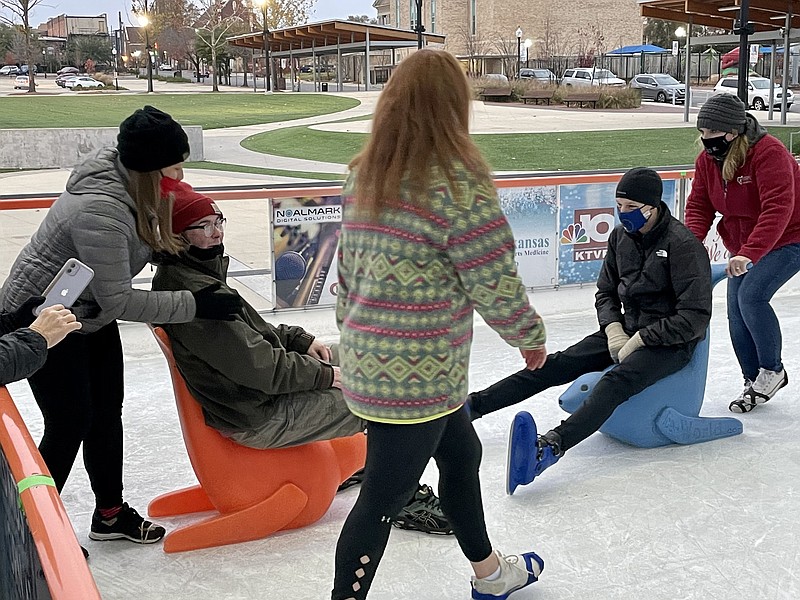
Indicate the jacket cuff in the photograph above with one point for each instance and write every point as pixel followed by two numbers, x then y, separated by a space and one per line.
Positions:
pixel 325 376
pixel 302 343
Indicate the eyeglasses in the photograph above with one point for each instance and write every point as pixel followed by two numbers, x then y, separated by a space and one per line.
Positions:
pixel 209 228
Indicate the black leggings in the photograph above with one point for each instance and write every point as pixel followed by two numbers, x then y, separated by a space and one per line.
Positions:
pixel 79 391
pixel 640 370
pixel 396 457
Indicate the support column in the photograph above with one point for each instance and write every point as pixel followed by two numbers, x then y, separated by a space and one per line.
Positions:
pixel 787 56
pixel 773 52
pixel 291 67
pixel 339 82
pixel 687 97
pixel 366 65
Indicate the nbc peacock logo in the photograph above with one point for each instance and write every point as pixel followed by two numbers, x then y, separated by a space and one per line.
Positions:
pixel 574 234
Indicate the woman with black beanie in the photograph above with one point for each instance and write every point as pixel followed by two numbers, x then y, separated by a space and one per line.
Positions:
pixel 112 218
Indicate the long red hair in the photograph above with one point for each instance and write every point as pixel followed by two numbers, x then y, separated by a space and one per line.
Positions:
pixel 421 122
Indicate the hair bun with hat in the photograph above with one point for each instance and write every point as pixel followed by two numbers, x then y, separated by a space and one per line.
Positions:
pixel 723 112
pixel 150 140
pixel 188 205
pixel 641 184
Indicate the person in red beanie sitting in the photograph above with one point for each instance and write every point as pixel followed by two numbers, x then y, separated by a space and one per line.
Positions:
pixel 263 386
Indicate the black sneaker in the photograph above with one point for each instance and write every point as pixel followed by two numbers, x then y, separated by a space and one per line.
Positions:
pixel 423 513
pixel 127 524
pixel 354 479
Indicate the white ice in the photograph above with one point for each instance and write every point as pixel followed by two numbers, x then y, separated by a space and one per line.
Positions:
pixel 714 521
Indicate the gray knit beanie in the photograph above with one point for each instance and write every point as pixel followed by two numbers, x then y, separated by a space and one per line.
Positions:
pixel 723 112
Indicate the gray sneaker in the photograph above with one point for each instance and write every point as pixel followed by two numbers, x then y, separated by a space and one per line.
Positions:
pixel 516 572
pixel 762 390
pixel 423 513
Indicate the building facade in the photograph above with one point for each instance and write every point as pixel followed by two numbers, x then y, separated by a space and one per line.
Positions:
pixel 64 26
pixel 483 33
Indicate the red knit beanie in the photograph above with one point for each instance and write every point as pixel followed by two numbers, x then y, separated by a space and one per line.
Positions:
pixel 189 206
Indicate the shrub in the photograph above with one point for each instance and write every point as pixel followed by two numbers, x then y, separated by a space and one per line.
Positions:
pixel 619 97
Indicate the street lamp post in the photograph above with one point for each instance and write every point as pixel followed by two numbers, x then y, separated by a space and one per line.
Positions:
pixel 114 56
pixel 144 21
pixel 680 33
pixel 528 44
pixel 420 27
pixel 519 49
pixel 265 33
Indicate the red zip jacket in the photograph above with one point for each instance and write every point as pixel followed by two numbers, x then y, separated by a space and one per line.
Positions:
pixel 760 207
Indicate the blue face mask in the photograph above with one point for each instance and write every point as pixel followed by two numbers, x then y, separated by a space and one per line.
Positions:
pixel 633 220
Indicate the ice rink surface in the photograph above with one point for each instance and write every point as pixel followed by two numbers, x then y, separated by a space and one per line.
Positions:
pixel 714 521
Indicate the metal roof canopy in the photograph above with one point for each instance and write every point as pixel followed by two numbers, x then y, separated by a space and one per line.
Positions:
pixel 329 37
pixel 766 17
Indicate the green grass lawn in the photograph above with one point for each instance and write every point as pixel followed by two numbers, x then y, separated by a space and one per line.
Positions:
pixel 566 151
pixel 209 110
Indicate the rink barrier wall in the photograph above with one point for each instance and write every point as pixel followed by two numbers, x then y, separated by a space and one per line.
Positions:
pixel 60 558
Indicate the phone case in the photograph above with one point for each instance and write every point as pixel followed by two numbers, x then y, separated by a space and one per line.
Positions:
pixel 67 285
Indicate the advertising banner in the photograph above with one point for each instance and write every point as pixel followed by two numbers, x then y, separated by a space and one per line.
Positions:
pixel 587 217
pixel 305 238
pixel 532 213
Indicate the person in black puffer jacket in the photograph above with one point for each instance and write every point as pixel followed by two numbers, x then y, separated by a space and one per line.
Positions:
pixel 653 305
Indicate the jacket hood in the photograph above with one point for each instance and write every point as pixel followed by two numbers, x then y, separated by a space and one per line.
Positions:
pixel 753 130
pixel 101 174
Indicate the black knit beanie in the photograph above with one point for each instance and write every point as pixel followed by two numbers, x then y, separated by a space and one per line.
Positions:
pixel 150 140
pixel 723 112
pixel 641 184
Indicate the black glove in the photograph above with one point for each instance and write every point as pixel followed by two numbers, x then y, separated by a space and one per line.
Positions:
pixel 22 317
pixel 219 306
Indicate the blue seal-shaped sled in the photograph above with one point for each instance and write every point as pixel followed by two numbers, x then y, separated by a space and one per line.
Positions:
pixel 667 411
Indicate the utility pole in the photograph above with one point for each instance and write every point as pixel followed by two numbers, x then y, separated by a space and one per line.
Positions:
pixel 419 26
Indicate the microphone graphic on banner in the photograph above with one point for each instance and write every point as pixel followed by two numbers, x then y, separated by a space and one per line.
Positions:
pixel 290 267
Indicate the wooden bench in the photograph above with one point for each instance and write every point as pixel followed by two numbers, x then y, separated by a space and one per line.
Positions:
pixel 495 93
pixel 581 98
pixel 538 95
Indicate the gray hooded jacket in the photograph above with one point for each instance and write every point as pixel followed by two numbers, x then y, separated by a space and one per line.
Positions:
pixel 94 220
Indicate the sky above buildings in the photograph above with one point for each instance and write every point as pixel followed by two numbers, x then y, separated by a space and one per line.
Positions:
pixel 325 9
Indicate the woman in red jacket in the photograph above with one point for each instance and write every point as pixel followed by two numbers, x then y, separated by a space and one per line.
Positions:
pixel 751 179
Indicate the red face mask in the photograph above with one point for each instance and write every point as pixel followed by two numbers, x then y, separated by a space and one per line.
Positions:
pixel 168 185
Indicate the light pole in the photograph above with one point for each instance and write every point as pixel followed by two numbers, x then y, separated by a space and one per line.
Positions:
pixel 144 21
pixel 265 33
pixel 519 50
pixel 680 33
pixel 420 27
pixel 114 56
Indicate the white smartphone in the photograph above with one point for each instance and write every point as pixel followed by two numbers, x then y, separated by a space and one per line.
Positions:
pixel 67 285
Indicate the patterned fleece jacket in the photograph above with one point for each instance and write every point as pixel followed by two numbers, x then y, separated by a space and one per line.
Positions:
pixel 408 284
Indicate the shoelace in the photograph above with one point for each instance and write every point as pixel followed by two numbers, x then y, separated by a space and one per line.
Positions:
pixel 430 499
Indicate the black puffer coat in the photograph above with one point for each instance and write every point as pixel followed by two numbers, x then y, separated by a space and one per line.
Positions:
pixel 661 278
pixel 22 353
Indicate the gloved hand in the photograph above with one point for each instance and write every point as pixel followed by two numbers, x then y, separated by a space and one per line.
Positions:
pixel 630 346
pixel 22 317
pixel 617 338
pixel 212 305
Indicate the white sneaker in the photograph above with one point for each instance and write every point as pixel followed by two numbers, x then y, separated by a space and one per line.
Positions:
pixel 516 572
pixel 765 386
pixel 742 403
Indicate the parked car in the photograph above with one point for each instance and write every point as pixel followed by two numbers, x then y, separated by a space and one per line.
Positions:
pixel 497 79
pixel 84 82
pixel 9 70
pixel 21 82
pixel 757 91
pixel 659 87
pixel 61 80
pixel 540 75
pixel 23 70
pixel 590 76
pixel 68 71
pixel 166 68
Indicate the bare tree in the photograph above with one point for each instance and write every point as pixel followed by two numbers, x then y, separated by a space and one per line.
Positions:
pixel 508 50
pixel 14 11
pixel 474 47
pixel 553 48
pixel 219 18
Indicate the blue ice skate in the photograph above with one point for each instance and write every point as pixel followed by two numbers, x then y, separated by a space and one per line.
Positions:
pixel 527 459
pixel 668 411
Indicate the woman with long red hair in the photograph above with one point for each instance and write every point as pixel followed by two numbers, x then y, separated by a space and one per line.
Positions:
pixel 423 244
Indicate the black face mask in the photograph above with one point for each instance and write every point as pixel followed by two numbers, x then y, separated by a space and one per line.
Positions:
pixel 206 253
pixel 717 146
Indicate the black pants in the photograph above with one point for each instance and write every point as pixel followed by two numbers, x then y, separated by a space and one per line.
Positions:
pixel 79 391
pixel 396 457
pixel 640 370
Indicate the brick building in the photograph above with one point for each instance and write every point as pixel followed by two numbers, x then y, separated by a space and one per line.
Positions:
pixel 483 33
pixel 64 26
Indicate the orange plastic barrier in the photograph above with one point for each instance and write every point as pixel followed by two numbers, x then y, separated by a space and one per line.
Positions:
pixel 64 566
pixel 256 492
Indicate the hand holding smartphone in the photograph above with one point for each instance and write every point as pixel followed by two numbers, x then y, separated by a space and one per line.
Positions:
pixel 67 285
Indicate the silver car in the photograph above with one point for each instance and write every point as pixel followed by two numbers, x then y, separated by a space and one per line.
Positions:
pixel 659 87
